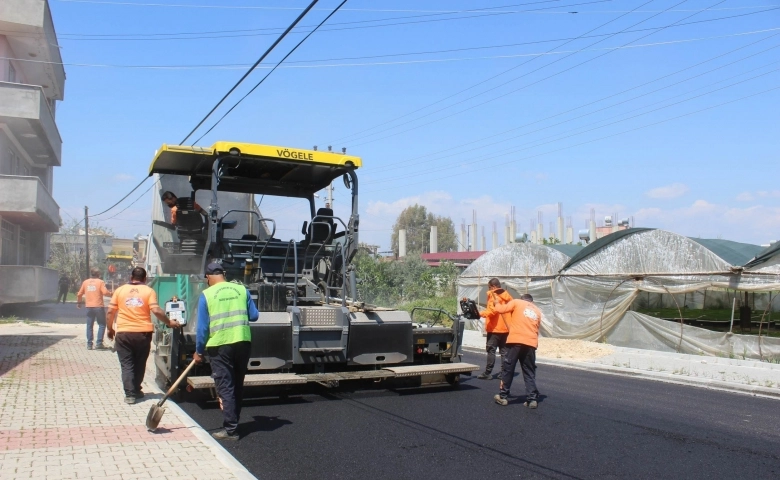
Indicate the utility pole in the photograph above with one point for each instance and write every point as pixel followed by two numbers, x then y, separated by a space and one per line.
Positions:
pixel 330 195
pixel 86 236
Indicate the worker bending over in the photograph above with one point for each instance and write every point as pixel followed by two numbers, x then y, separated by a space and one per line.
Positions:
pixel 496 328
pixel 224 312
pixel 132 305
pixel 521 345
pixel 170 199
pixel 93 290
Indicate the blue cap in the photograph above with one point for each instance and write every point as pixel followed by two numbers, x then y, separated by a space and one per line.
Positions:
pixel 215 269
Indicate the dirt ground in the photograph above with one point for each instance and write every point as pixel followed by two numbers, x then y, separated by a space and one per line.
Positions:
pixel 571 349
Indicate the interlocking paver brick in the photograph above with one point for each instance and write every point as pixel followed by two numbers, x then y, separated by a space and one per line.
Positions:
pixel 62 415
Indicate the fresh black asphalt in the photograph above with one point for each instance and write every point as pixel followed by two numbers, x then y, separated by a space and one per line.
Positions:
pixel 589 425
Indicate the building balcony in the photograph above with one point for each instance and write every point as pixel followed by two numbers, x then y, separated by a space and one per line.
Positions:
pixel 27 284
pixel 29 29
pixel 26 117
pixel 26 202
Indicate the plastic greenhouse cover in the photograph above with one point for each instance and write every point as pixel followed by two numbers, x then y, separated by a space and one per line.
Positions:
pixel 516 260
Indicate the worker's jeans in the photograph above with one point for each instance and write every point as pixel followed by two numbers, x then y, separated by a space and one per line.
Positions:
pixel 63 294
pixel 228 368
pixel 526 355
pixel 96 314
pixel 132 348
pixel 495 341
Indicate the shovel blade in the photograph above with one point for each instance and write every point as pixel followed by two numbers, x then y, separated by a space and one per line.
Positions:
pixel 154 417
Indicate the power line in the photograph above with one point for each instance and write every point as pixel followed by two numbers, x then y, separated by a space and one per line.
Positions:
pixel 585 35
pixel 524 86
pixel 262 57
pixel 557 137
pixel 133 203
pixel 269 73
pixel 465 17
pixel 594 140
pixel 121 200
pixel 433 60
pixel 400 164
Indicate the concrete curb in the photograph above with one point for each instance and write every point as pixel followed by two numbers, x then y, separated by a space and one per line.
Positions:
pixel 656 376
pixel 225 458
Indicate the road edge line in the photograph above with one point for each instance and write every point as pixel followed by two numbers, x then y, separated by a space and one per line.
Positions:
pixel 755 391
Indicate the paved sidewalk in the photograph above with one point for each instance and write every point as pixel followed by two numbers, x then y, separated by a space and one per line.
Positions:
pixel 63 416
pixel 743 376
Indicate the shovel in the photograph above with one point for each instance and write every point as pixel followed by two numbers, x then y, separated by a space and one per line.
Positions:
pixel 157 410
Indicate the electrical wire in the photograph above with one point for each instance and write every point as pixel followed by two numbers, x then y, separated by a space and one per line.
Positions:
pixel 411 62
pixel 574 132
pixel 272 71
pixel 589 141
pixel 251 69
pixel 585 35
pixel 524 75
pixel 465 17
pixel 122 199
pixel 428 156
pixel 131 204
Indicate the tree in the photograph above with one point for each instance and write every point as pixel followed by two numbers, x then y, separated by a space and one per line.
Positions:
pixel 66 252
pixel 417 222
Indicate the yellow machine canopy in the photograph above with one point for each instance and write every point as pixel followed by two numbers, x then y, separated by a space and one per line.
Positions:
pixel 252 168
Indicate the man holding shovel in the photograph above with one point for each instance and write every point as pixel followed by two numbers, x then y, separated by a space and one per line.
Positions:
pixel 132 306
pixel 224 312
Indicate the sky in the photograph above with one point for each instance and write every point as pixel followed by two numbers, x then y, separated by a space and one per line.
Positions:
pixel 661 111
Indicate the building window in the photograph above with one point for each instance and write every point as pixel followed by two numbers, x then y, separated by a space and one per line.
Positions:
pixel 24 248
pixel 8 236
pixel 11 72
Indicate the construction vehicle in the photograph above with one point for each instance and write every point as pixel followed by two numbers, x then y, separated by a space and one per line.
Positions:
pixel 311 329
pixel 117 271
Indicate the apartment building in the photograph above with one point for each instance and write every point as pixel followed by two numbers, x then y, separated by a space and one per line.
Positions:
pixel 32 81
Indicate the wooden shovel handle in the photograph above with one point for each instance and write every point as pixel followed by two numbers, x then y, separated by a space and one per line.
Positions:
pixel 178 380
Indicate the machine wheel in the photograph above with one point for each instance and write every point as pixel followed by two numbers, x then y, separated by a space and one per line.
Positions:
pixel 453 380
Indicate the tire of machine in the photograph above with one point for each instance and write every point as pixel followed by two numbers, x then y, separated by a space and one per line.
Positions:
pixel 453 380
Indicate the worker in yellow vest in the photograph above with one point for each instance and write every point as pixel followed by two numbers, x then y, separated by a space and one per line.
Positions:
pixel 224 312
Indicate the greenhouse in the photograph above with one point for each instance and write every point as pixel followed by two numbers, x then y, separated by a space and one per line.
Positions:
pixel 652 289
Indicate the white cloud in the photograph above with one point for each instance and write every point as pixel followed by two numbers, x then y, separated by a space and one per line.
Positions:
pixel 745 197
pixel 122 177
pixel 669 191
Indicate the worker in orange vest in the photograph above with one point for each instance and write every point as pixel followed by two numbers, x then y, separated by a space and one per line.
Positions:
pixel 93 290
pixel 496 328
pixel 521 343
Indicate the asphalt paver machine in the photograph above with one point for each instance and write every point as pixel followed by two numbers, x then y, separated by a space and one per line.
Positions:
pixel 311 329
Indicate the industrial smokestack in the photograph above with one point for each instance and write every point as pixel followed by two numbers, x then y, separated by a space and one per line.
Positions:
pixel 560 222
pixel 539 228
pixel 592 225
pixel 434 239
pixel 483 244
pixel 401 243
pixel 462 244
pixel 494 244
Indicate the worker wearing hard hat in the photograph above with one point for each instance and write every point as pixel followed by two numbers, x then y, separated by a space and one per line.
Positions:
pixel 496 328
pixel 224 312
pixel 92 291
pixel 521 343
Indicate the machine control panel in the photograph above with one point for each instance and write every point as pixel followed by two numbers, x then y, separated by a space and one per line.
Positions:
pixel 175 311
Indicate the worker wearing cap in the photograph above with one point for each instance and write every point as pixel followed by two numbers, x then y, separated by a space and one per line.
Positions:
pixel 132 306
pixel 521 344
pixel 170 199
pixel 495 326
pixel 93 290
pixel 224 312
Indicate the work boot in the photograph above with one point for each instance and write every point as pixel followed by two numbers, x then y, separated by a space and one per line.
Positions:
pixel 89 346
pixel 530 404
pixel 485 376
pixel 100 346
pixel 139 395
pixel 224 435
pixel 129 400
pixel 501 400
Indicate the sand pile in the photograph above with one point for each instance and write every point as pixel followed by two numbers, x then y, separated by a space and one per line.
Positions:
pixel 571 349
